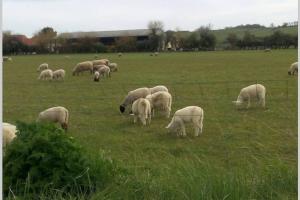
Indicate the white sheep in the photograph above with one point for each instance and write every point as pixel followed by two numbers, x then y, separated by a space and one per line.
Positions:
pixel 193 114
pixel 83 66
pixel 113 67
pixel 42 67
pixel 46 74
pixel 253 92
pixel 59 74
pixel 160 101
pixel 120 54
pixel 141 109
pixel 267 50
pixel 104 71
pixel 96 76
pixel 159 88
pixel 134 95
pixel 101 62
pixel 57 114
pixel 293 68
pixel 156 53
pixel 9 133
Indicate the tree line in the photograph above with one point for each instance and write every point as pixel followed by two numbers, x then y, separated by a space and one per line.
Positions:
pixel 48 41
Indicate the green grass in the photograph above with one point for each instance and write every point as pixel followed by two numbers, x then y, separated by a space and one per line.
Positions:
pixel 242 154
pixel 222 34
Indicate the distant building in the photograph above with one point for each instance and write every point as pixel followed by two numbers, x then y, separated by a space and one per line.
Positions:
pixel 108 37
pixel 23 39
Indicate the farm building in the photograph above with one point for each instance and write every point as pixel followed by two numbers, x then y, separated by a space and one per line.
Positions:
pixel 108 38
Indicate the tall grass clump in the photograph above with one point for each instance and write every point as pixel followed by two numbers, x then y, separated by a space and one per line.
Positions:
pixel 44 160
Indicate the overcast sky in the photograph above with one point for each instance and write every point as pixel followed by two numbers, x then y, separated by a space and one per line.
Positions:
pixel 29 16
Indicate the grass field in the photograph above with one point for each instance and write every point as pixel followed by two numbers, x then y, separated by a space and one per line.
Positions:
pixel 242 154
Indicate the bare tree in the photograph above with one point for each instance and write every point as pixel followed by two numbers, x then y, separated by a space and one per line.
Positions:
pixel 156 35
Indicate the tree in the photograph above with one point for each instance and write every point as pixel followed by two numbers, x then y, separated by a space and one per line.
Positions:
pixel 207 38
pixel 124 44
pixel 44 39
pixel 156 34
pixel 232 39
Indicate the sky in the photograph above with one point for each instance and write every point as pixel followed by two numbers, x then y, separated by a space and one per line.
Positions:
pixel 29 16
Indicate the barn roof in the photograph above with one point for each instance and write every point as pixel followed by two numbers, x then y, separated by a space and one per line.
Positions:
pixel 103 34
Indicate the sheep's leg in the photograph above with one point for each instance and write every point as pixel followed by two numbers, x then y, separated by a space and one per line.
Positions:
pixel 134 119
pixel 149 118
pixel 197 126
pixel 182 128
pixel 168 112
pixel 263 102
pixel 248 104
pixel 152 112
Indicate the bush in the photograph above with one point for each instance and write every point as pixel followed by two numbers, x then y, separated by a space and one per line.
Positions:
pixel 43 158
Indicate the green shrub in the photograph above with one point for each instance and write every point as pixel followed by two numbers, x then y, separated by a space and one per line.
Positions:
pixel 43 159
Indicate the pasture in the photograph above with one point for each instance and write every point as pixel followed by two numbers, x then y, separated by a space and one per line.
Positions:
pixel 242 154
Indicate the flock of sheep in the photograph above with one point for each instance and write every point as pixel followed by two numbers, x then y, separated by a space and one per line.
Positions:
pixel 143 102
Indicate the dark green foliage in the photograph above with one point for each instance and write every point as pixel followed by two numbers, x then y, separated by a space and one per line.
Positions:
pixel 44 158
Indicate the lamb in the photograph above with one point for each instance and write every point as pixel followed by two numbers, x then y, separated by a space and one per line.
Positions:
pixel 293 68
pixel 97 67
pixel 59 74
pixel 42 67
pixel 104 71
pixel 46 74
pixel 252 92
pixel 83 66
pixel 159 88
pixel 160 101
pixel 57 114
pixel 9 133
pixel 96 76
pixel 192 114
pixel 113 67
pixel 141 109
pixel 134 95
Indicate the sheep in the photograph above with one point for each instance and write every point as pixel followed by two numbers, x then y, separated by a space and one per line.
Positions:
pixel 97 67
pixel 134 95
pixel 46 74
pixel 104 71
pixel 57 114
pixel 192 114
pixel 156 53
pixel 59 74
pixel 42 67
pixel 83 66
pixel 113 67
pixel 293 68
pixel 252 92
pixel 96 76
pixel 267 50
pixel 101 62
pixel 141 109
pixel 160 101
pixel 6 58
pixel 9 133
pixel 120 54
pixel 159 88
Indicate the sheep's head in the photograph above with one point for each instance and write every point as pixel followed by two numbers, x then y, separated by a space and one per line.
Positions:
pixel 289 73
pixel 237 103
pixel 172 127
pixel 64 126
pixel 122 108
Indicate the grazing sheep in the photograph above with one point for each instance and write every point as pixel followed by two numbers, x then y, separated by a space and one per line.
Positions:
pixel 159 88
pixel 83 66
pixel 120 54
pixel 104 71
pixel 59 74
pixel 134 95
pixel 96 76
pixel 293 68
pixel 101 62
pixel 113 67
pixel 6 58
pixel 267 50
pixel 252 92
pixel 46 74
pixel 141 109
pixel 160 101
pixel 42 67
pixel 57 114
pixel 97 67
pixel 9 133
pixel 192 114
pixel 156 53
